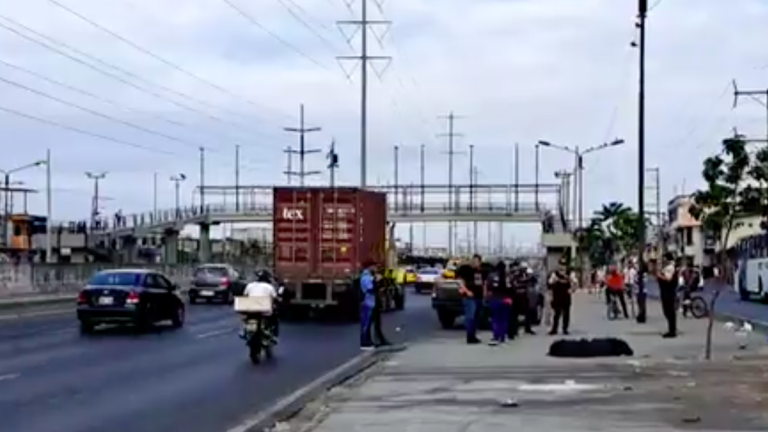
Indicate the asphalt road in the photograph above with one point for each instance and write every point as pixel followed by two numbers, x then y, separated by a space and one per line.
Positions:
pixel 729 303
pixel 196 379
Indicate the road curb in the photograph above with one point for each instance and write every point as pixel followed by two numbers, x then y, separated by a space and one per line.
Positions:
pixel 35 302
pixel 290 405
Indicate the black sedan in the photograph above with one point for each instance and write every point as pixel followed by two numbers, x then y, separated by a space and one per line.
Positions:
pixel 216 283
pixel 130 296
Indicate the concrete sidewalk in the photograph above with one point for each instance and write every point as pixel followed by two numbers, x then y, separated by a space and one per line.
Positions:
pixel 443 385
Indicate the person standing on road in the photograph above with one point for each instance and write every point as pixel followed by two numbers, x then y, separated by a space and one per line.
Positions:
pixel 667 278
pixel 379 284
pixel 471 288
pixel 614 288
pixel 561 287
pixel 521 284
pixel 500 299
pixel 367 304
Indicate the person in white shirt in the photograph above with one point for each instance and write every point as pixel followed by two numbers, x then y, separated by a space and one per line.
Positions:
pixel 263 287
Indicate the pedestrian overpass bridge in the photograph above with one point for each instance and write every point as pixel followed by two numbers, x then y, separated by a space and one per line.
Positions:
pixel 406 204
pixel 507 203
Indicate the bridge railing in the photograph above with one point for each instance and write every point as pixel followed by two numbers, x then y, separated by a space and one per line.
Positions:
pixel 189 213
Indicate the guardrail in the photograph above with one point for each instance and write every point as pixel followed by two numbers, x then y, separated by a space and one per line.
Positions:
pixel 30 280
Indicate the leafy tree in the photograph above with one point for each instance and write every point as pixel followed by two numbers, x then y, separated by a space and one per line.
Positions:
pixel 726 195
pixel 612 232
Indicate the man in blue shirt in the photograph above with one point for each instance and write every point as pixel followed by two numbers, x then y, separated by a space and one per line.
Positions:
pixel 367 304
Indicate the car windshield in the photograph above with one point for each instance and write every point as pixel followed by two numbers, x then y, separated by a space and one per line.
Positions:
pixel 429 272
pixel 217 272
pixel 115 279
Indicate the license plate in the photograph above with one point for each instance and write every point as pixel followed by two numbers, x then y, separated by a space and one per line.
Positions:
pixel 206 293
pixel 251 326
pixel 106 300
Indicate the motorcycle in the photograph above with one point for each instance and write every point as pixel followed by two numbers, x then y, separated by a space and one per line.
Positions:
pixel 259 339
pixel 257 331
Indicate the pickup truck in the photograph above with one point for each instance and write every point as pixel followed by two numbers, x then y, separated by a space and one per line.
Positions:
pixel 447 303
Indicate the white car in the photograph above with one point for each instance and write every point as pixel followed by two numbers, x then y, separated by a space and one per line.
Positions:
pixel 425 279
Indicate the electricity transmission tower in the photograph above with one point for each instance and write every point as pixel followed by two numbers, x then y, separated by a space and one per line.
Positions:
pixel 365 25
pixel 302 130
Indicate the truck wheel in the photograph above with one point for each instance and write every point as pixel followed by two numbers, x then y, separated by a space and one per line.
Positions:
pixel 447 319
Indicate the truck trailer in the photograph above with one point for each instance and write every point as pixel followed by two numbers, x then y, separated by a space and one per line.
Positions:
pixel 322 238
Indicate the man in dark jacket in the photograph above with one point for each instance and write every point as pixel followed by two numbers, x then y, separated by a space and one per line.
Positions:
pixel 521 283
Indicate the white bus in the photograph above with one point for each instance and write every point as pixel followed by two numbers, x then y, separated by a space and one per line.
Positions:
pixel 751 277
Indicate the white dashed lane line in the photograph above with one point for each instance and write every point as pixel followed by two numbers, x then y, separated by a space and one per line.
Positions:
pixel 9 377
pixel 215 333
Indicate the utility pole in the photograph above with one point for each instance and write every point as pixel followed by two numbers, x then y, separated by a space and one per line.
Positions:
pixel 302 130
pixel 450 135
pixel 536 168
pixel 48 208
pixel 333 162
pixel 422 175
pixel 177 179
pixel 364 24
pixel 656 187
pixel 237 178
pixel 473 179
pixel 565 187
pixel 755 95
pixel 517 177
pixel 202 180
pixel 96 177
pixel 641 300
pixel 154 193
pixel 397 174
pixel 422 178
pixel 289 164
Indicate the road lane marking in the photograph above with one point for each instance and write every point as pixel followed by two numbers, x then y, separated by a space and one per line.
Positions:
pixel 9 377
pixel 42 313
pixel 214 333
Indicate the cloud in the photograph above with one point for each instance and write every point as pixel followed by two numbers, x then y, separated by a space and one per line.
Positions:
pixel 516 71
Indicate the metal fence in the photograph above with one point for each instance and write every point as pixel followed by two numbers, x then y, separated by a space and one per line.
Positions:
pixel 31 280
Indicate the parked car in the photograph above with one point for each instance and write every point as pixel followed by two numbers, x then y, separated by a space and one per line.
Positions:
pixel 425 279
pixel 216 282
pixel 131 296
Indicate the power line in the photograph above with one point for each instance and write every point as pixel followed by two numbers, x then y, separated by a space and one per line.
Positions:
pixel 364 24
pixel 98 114
pixel 274 35
pixel 305 24
pixel 94 96
pixel 83 131
pixel 153 54
pixel 47 45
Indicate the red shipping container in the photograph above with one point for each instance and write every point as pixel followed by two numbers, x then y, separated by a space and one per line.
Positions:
pixel 327 234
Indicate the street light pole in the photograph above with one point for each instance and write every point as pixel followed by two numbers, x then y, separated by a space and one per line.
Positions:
pixel 48 208
pixel 96 177
pixel 177 179
pixel 578 174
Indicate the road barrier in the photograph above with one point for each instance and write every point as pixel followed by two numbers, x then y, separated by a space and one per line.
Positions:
pixel 25 281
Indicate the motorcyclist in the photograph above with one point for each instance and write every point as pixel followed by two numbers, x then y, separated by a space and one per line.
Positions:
pixel 263 287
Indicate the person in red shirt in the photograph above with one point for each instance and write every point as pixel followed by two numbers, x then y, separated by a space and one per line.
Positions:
pixel 614 287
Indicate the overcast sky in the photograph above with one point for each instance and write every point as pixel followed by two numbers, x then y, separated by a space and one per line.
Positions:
pixel 515 70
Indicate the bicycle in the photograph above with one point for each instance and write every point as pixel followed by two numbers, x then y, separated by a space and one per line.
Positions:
pixel 696 304
pixel 613 309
